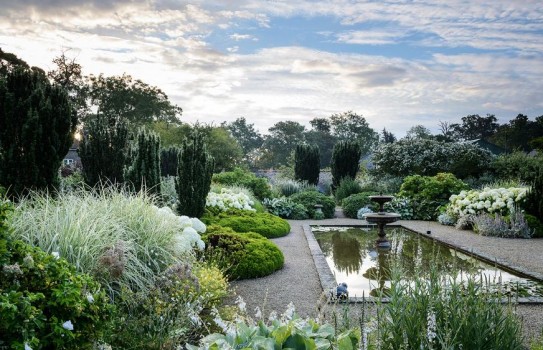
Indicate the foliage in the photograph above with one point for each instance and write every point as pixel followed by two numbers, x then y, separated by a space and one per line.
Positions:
pixel 488 200
pixel 428 157
pixel 512 226
pixel 103 152
pixel 517 165
pixel 44 303
pixel 72 182
pixel 285 208
pixel 517 134
pixel 361 213
pixel 307 163
pixel 287 332
pixel 168 196
pixel 280 143
pixel 223 148
pixel 118 236
pixel 311 198
pixel 446 219
pixel 265 224
pixel 443 313
pixel 194 171
pixel 427 193
pixel 347 186
pixel 476 127
pixel 144 172
pixel 402 206
pixel 354 202
pixel 166 316
pixel 258 185
pixel 229 199
pixel 535 224
pixel 168 161
pixel 121 97
pixel 242 255
pixel 534 196
pixel 349 126
pixel 246 135
pixel 37 124
pixel 345 159
pixel 321 135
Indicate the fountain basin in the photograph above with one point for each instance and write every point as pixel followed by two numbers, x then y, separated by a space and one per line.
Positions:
pixel 385 218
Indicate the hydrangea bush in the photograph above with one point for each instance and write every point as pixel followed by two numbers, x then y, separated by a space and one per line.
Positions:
pixel 229 199
pixel 489 200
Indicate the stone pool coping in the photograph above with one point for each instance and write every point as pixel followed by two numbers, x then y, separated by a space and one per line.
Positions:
pixel 439 234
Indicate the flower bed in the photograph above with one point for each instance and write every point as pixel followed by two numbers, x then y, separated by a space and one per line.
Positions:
pixel 489 200
pixel 229 199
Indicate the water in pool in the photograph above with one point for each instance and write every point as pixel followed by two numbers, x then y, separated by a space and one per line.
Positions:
pixel 354 259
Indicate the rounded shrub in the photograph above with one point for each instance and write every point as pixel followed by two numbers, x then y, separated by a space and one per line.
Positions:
pixel 242 255
pixel 44 302
pixel 354 202
pixel 266 224
pixel 310 198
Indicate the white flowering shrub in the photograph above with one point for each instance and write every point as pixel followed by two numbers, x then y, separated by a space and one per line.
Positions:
pixel 361 214
pixel 489 200
pixel 429 157
pixel 229 199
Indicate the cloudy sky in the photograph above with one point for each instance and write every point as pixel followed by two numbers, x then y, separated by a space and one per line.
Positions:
pixel 396 62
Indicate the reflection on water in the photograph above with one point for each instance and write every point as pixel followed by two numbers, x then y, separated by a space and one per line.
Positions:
pixel 354 259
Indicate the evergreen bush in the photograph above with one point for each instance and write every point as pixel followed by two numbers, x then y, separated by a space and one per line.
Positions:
pixel 37 123
pixel 307 163
pixel 534 197
pixel 104 151
pixel 195 169
pixel 265 224
pixel 310 198
pixel 144 172
pixel 169 160
pixel 242 255
pixel 345 159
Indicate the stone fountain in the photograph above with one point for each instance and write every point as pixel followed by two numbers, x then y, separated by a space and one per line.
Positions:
pixel 381 219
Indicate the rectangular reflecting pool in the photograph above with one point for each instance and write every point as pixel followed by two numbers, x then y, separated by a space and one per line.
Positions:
pixel 353 258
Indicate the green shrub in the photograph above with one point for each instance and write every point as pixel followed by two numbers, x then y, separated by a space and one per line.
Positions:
pixel 242 255
pixel 44 303
pixel 266 224
pixel 354 202
pixel 288 187
pixel 309 198
pixel 258 185
pixel 345 160
pixel 285 208
pixel 517 165
pixel 307 164
pixel 535 224
pixel 347 187
pixel 427 193
pixel 143 172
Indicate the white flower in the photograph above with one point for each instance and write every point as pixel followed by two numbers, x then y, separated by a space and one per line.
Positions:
pixel 241 304
pixel 68 325
pixel 27 347
pixel 56 255
pixel 198 225
pixel 90 298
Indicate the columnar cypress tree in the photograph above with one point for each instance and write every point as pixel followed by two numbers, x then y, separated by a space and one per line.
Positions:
pixel 37 124
pixel 534 197
pixel 194 172
pixel 104 151
pixel 307 163
pixel 345 158
pixel 144 172
pixel 168 161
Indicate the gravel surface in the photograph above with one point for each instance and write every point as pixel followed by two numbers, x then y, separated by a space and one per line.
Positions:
pixel 298 281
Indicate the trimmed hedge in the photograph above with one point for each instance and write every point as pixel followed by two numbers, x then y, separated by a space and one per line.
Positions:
pixel 242 255
pixel 309 198
pixel 266 224
pixel 239 177
pixel 354 202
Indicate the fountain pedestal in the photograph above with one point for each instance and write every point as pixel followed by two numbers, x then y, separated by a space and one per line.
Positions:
pixel 381 219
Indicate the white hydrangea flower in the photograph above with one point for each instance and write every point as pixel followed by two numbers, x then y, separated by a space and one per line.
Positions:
pixel 198 225
pixel 68 325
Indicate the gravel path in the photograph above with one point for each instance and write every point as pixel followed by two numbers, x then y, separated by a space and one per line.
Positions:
pixel 298 281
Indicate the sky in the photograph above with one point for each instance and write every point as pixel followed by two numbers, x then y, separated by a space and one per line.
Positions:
pixel 398 63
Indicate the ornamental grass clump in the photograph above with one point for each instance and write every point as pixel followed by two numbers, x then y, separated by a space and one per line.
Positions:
pixel 119 237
